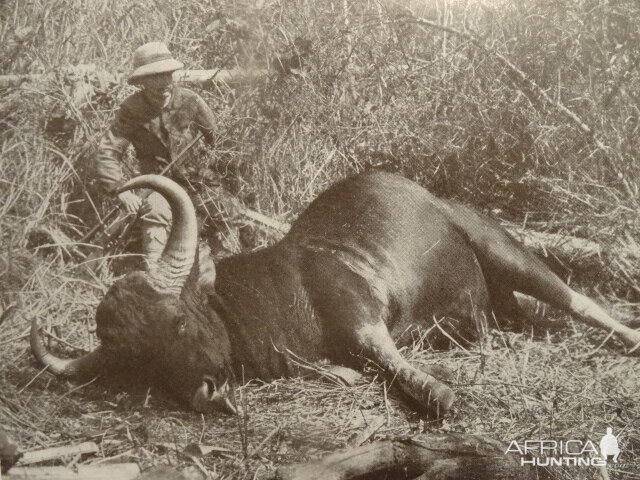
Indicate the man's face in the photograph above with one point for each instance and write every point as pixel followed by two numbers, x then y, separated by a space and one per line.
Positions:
pixel 156 87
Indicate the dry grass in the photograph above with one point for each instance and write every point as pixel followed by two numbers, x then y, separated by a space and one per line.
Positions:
pixel 511 386
pixel 379 91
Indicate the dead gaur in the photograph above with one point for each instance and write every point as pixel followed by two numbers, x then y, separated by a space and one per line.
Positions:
pixel 370 258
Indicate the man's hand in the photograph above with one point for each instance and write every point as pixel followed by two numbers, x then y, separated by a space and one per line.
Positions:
pixel 130 201
pixel 230 205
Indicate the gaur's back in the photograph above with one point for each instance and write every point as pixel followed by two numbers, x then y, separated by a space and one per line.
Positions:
pixel 376 214
pixel 394 233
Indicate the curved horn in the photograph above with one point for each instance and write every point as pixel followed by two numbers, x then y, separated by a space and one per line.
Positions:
pixel 87 366
pixel 178 256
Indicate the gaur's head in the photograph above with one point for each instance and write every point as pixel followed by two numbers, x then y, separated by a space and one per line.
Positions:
pixel 158 323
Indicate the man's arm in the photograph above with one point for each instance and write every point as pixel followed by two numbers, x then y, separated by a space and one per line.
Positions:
pixel 108 169
pixel 108 161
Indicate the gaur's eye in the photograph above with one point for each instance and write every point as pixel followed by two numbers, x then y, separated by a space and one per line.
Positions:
pixel 182 325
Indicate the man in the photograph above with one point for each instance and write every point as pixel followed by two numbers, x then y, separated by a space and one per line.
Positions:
pixel 159 121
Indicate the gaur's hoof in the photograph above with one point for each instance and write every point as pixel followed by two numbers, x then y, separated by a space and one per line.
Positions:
pixel 434 396
pixel 441 399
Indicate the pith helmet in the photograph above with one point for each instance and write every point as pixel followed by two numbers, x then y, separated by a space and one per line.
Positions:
pixel 150 58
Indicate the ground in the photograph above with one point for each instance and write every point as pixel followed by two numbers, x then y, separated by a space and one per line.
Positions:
pixel 512 386
pixel 526 110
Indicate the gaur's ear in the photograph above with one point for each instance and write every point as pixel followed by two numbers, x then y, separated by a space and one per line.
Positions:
pixel 207 269
pixel 203 272
pixel 181 324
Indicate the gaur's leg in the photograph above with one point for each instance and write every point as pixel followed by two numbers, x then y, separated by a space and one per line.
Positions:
pixel 352 307
pixel 515 313
pixel 529 275
pixel 376 344
pixel 520 313
pixel 505 308
pixel 506 261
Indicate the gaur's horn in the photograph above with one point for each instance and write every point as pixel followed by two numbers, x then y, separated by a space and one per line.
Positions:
pixel 176 261
pixel 85 367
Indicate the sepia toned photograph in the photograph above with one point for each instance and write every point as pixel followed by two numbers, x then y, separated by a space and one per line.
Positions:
pixel 332 239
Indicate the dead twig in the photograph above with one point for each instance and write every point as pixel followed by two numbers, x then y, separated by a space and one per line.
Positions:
pixel 29 458
pixel 121 471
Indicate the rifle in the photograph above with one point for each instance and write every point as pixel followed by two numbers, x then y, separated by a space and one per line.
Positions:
pixel 260 219
pixel 113 212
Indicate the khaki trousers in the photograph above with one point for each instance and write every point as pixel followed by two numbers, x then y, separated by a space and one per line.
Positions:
pixel 154 225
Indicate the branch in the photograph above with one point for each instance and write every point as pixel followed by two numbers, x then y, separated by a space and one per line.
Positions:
pixel 52 453
pixel 563 246
pixel 436 456
pixel 189 76
pixel 121 471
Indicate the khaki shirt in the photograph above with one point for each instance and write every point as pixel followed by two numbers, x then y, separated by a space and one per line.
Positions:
pixel 157 133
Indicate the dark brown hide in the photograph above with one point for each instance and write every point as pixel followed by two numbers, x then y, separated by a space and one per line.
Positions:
pixel 387 257
pixel 265 310
pixel 380 244
pixel 371 258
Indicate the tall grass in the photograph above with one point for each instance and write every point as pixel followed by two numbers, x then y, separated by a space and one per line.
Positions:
pixel 377 90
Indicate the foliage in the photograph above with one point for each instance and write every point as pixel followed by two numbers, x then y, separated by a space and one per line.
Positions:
pixel 376 89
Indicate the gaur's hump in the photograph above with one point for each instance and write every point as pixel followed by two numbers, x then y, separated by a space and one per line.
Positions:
pixel 366 190
pixel 368 206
